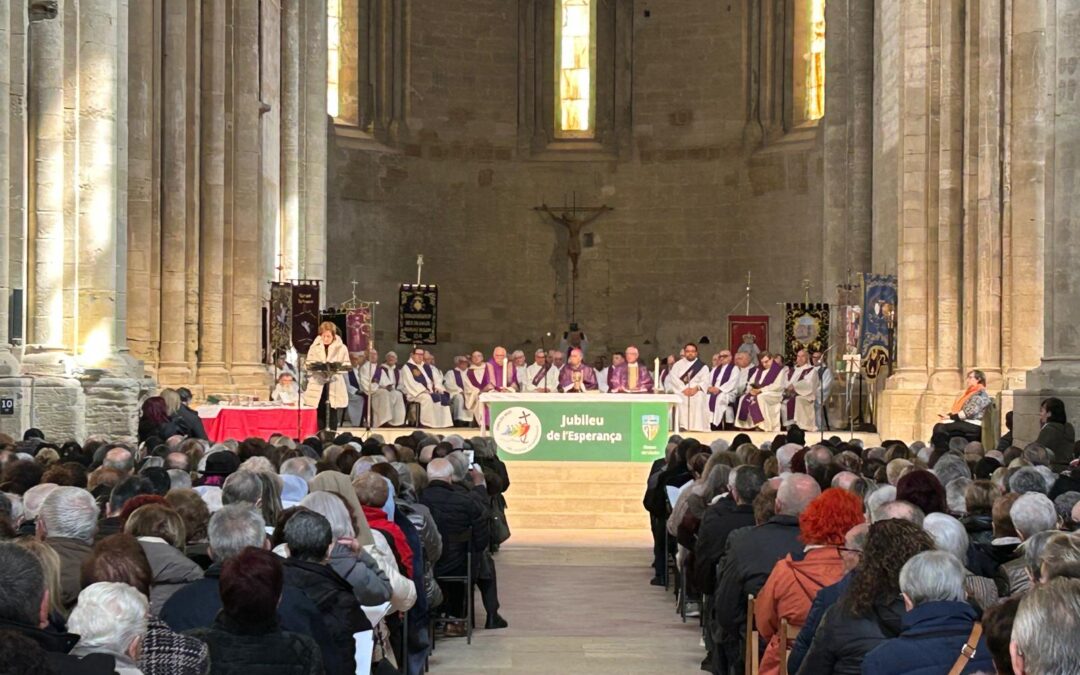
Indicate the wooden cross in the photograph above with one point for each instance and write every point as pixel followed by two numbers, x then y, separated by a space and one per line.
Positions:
pixel 567 217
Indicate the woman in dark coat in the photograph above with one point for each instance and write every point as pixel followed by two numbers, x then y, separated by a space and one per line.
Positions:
pixel 1056 433
pixel 245 637
pixel 154 420
pixel 871 610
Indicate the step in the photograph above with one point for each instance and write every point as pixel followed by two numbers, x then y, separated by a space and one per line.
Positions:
pixel 613 505
pixel 579 472
pixel 579 520
pixel 552 488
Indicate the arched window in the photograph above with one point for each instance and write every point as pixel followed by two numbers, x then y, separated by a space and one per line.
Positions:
pixel 333 57
pixel 575 66
pixel 815 61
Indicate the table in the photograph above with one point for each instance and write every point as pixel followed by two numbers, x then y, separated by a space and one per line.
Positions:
pixel 223 422
pixel 579 427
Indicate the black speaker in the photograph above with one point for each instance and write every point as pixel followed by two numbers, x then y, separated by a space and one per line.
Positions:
pixel 15 316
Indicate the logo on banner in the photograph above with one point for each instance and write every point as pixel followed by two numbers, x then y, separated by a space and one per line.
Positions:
pixel 517 430
pixel 650 426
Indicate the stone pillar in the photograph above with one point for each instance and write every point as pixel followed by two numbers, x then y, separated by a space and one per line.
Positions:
pixel 212 204
pixel 290 140
pixel 313 181
pixel 270 145
pixel 247 274
pixel 5 185
pixel 1059 373
pixel 192 166
pixel 173 367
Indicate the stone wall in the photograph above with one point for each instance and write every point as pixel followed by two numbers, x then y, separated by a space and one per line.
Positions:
pixel 706 187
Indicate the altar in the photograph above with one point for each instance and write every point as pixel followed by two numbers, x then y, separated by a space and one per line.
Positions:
pixel 590 427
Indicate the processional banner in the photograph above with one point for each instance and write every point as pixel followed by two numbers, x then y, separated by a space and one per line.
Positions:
pixel 418 314
pixel 747 331
pixel 305 316
pixel 358 330
pixel 806 326
pixel 878 322
pixel 280 317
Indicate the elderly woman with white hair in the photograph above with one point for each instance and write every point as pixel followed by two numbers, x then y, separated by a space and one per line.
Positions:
pixel 110 618
pixel 950 535
pixel 937 625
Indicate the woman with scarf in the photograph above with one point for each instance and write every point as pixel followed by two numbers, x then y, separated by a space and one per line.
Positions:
pixel 965 418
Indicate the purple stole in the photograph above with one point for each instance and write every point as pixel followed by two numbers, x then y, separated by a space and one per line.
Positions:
pixel 482 383
pixel 749 407
pixel 541 375
pixel 457 378
pixel 692 371
pixel 729 368
pixel 790 403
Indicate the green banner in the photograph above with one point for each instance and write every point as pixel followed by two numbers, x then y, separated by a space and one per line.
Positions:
pixel 580 431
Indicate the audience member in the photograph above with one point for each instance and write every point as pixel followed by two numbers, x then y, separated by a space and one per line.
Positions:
pixel 1045 629
pixel 67 522
pixel 160 531
pixel 110 619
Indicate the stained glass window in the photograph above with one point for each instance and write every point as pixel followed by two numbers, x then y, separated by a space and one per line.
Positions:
pixel 815 62
pixel 333 54
pixel 575 44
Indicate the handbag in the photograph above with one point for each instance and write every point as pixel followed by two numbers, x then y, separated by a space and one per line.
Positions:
pixel 967 652
pixel 500 529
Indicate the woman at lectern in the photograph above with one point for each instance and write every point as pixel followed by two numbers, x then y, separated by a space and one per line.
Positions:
pixel 322 387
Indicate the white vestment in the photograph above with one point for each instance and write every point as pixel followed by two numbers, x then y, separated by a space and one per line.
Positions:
pixel 601 380
pixel 285 395
pixel 520 372
pixel 418 388
pixel 387 381
pixel 825 377
pixel 694 409
pixel 473 390
pixel 380 397
pixel 548 383
pixel 769 401
pixel 804 381
pixel 454 383
pixel 729 392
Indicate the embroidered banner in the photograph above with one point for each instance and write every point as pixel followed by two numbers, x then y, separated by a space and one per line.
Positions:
pixel 305 316
pixel 806 326
pixel 418 314
pixel 748 333
pixel 878 345
pixel 358 330
pixel 280 317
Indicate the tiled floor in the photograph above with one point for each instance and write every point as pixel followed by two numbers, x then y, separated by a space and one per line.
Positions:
pixel 582 605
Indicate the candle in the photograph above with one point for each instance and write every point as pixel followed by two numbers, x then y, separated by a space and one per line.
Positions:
pixel 656 374
pixel 505 366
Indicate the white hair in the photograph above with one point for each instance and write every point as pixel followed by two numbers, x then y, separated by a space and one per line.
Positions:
pixel 179 479
pixel 1033 512
pixel 955 495
pixel 880 496
pixel 34 497
pixel 440 469
pixel 234 528
pixel 719 445
pixel 784 454
pixel 109 617
pixel 1046 625
pixel 949 468
pixel 70 512
pixel 331 507
pixel 517 353
pixel 933 576
pixel 948 534
pixel 1048 475
pixel 257 464
pixel 299 466
pixel 795 493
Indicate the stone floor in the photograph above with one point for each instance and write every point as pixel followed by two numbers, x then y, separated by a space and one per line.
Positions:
pixel 577 603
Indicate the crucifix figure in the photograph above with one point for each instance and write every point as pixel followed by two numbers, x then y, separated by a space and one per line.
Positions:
pixel 567 217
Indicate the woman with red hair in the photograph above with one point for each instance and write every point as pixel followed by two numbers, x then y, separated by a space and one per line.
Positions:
pixel 794 582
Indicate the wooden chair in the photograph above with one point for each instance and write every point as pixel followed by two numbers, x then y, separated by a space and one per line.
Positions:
pixel 788 633
pixel 753 656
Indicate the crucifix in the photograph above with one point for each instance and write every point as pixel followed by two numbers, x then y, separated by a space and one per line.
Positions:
pixel 567 216
pixel 806 290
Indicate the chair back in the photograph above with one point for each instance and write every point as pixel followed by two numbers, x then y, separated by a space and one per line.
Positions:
pixel 752 654
pixel 991 425
pixel 787 636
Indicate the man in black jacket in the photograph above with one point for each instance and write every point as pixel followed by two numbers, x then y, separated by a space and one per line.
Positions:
pixel 232 529
pixel 752 553
pixel 190 423
pixel 457 509
pixel 309 536
pixel 24 609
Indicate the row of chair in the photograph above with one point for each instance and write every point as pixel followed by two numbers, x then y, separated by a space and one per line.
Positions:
pixel 787 635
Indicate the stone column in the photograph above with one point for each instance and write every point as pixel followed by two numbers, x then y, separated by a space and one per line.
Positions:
pixel 270 144
pixel 192 166
pixel 290 140
pixel 313 181
pixel 246 260
pixel 212 203
pixel 45 301
pixel 1059 373
pixel 9 387
pixel 173 367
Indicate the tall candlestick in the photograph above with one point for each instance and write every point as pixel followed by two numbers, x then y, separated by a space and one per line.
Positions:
pixel 656 374
pixel 504 365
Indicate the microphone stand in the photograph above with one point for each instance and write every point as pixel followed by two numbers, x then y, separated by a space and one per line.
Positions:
pixel 330 370
pixel 821 392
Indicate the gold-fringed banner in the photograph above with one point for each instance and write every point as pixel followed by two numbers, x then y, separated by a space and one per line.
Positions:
pixel 418 312
pixel 806 326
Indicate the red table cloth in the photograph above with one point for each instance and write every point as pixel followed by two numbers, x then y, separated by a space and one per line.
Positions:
pixel 222 422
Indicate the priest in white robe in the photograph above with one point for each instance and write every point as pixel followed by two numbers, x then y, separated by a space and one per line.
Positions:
pixel 800 394
pixel 759 406
pixel 825 380
pixel 726 383
pixel 520 367
pixel 369 383
pixel 541 376
pixel 477 381
pixel 602 371
pixel 454 383
pixel 419 388
pixel 388 378
pixel 688 379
